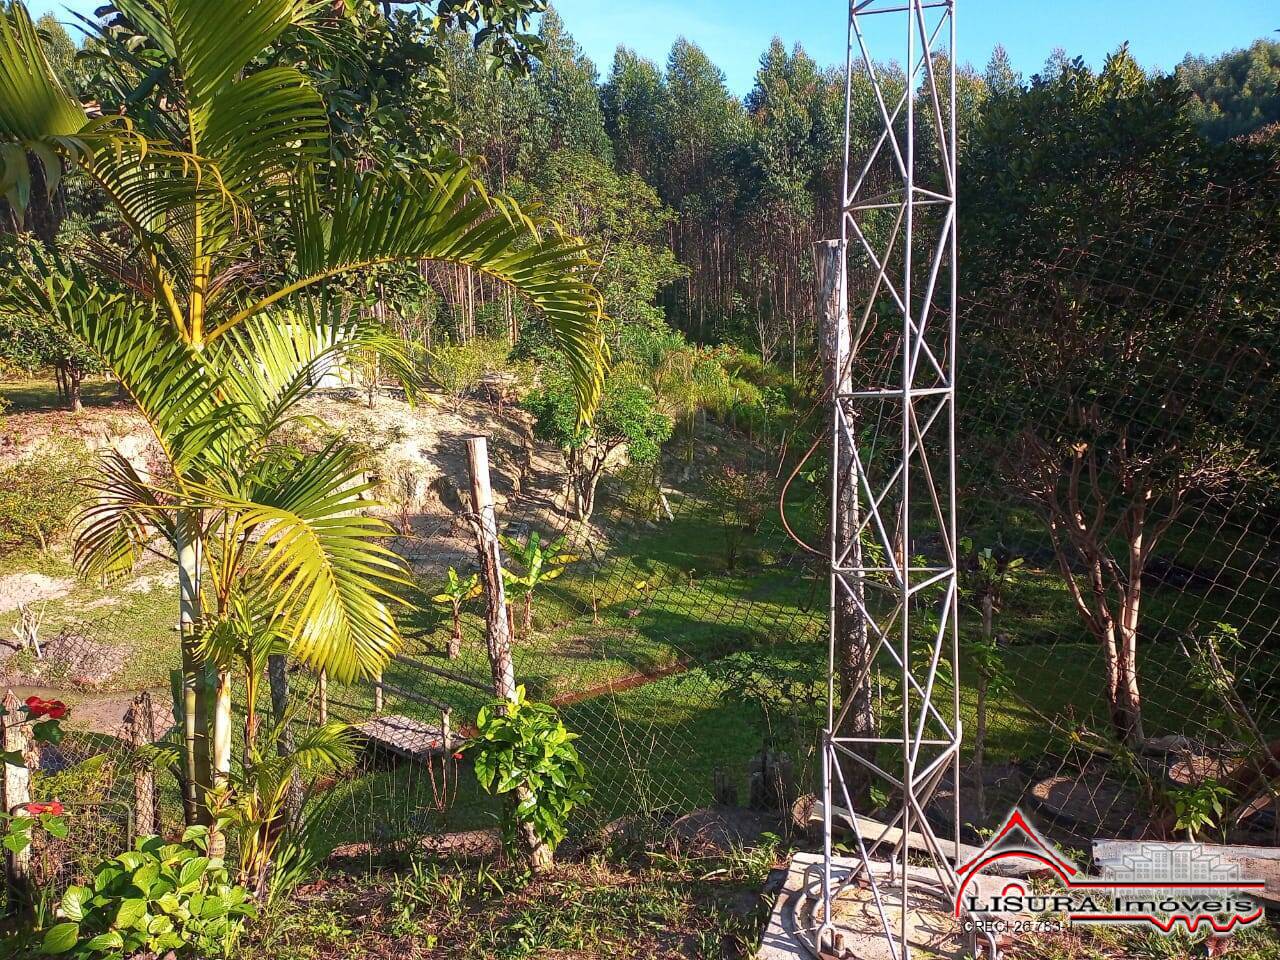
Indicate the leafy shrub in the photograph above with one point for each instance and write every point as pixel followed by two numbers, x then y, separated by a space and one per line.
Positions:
pixel 540 562
pixel 39 496
pixel 741 496
pixel 459 369
pixel 628 417
pixel 16 828
pixel 157 897
pixel 523 748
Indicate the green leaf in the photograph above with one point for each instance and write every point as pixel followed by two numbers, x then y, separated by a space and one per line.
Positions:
pixel 74 900
pixel 56 826
pixel 105 942
pixel 60 938
pixel 47 731
pixel 130 912
pixel 192 871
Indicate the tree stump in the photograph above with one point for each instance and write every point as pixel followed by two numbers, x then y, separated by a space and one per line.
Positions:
pixel 773 781
pixel 723 789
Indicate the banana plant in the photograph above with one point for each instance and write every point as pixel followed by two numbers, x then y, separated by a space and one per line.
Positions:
pixel 455 593
pixel 539 563
pixel 216 321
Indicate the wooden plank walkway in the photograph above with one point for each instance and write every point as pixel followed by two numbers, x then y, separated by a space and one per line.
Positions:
pixel 409 738
pixel 872 830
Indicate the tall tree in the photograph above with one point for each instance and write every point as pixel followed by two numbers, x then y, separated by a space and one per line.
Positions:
pixel 569 115
pixel 1114 397
pixel 634 101
pixel 779 205
pixel 705 130
pixel 1000 75
pixel 1236 93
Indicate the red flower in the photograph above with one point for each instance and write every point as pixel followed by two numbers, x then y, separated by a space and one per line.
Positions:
pixel 52 807
pixel 37 706
pixel 55 709
pixel 457 756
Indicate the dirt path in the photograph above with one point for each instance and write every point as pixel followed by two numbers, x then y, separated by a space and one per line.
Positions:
pixel 103 712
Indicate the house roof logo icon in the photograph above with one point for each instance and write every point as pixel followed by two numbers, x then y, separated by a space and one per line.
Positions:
pixel 1163 885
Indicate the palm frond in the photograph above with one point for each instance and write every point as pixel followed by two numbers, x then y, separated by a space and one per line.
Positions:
pixel 211 59
pixel 171 383
pixel 262 127
pixel 123 516
pixel 318 556
pixel 353 223
pixel 273 360
pixel 33 104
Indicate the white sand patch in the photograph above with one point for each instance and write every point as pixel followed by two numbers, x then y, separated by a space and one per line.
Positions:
pixel 21 588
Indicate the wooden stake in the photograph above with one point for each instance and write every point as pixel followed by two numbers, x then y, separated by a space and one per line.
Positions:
pixel 484 523
pixel 15 792
pixel 323 690
pixel 836 348
pixel 140 731
pixel 498 632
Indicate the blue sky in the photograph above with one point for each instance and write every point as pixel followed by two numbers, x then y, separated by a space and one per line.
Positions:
pixel 735 32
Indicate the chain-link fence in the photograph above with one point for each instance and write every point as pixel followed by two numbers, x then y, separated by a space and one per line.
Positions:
pixel 1118 441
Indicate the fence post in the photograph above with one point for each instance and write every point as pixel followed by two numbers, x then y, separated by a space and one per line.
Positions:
pixel 498 632
pixel 15 791
pixel 322 683
pixel 377 694
pixel 140 731
pixel 836 349
pixel 485 524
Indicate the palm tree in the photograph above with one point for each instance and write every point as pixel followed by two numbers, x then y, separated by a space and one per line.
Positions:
pixel 219 320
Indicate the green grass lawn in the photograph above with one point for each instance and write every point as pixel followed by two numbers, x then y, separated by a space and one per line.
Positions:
pixel 40 394
pixel 659 603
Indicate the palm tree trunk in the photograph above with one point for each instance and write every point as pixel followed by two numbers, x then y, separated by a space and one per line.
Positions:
pixel 278 679
pixel 193 704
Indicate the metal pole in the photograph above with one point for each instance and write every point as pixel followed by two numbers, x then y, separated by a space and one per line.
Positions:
pixel 899 219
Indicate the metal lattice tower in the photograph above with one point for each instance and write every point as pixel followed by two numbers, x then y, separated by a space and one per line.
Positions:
pixel 893 427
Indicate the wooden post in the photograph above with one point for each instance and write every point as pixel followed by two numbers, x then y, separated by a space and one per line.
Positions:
pixel 377 694
pixel 140 731
pixel 498 631
pixel 485 525
pixel 836 348
pixel 15 792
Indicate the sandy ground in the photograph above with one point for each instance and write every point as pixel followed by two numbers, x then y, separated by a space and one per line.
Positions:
pixel 19 589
